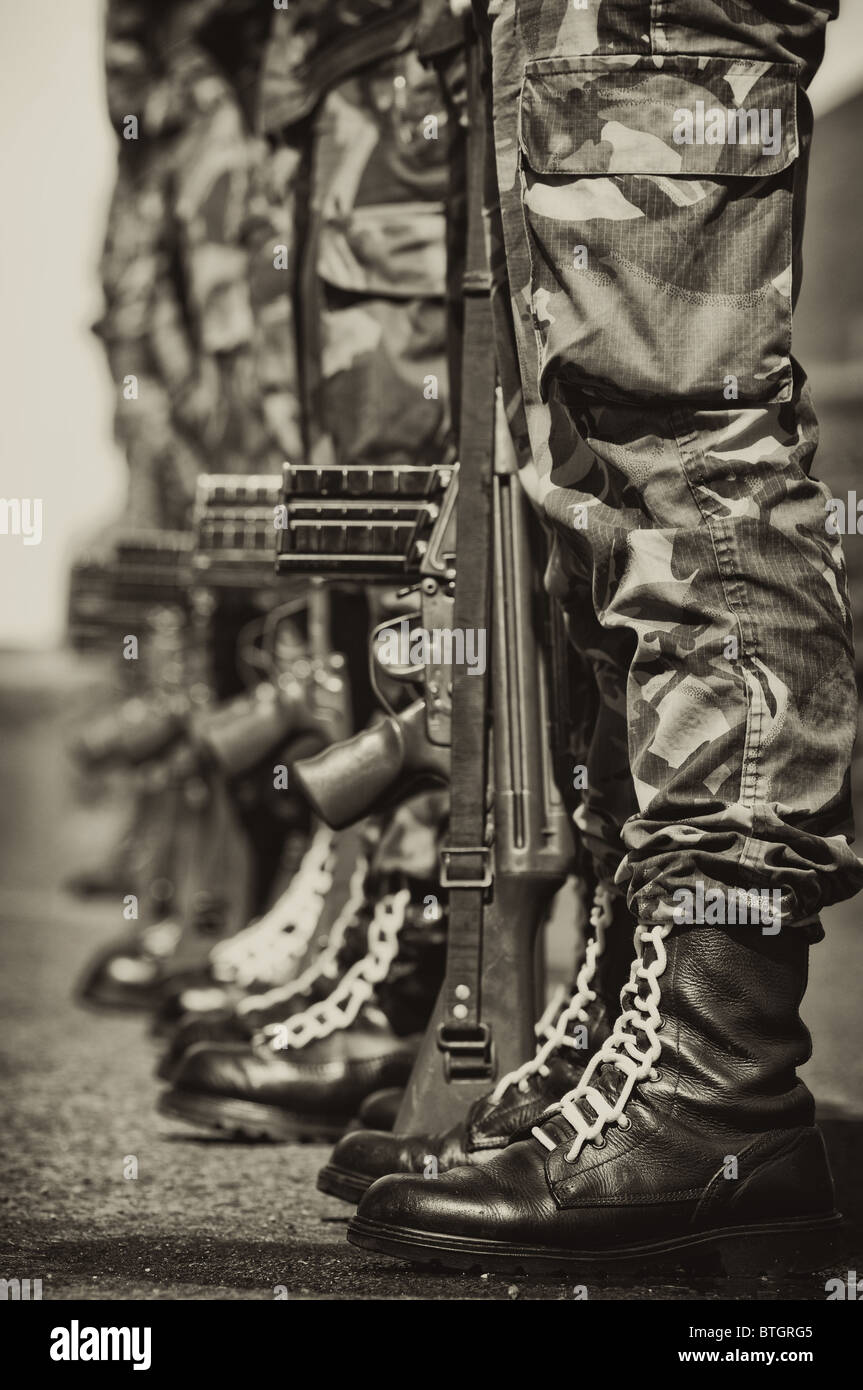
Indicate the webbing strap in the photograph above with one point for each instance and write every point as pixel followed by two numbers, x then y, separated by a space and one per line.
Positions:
pixel 466 857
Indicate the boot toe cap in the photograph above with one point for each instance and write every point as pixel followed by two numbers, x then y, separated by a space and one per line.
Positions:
pixel 503 1199
pixel 375 1154
pixel 120 976
pixel 215 1069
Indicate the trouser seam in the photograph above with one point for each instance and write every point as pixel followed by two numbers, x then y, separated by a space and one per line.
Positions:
pixel 728 568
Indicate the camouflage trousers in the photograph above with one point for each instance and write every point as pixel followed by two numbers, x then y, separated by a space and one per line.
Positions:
pixel 651 169
pixel 374 308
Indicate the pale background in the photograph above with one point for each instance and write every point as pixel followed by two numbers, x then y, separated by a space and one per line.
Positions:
pixel 55 398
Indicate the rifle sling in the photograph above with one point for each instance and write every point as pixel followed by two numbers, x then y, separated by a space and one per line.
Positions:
pixel 463 1036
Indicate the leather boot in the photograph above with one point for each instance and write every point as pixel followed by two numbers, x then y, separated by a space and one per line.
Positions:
pixel 304 1076
pixel 570 1032
pixel 129 973
pixel 688 1139
pixel 271 953
pixel 243 1014
pixel 209 892
pixel 379 1110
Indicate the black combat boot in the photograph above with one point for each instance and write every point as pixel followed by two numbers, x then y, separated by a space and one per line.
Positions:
pixel 380 1110
pixel 570 1031
pixel 202 898
pixel 688 1138
pixel 265 959
pixel 274 991
pixel 129 973
pixel 305 1076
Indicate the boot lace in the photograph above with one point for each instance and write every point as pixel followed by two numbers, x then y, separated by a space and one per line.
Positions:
pixel 552 1028
pixel 265 950
pixel 633 1049
pixel 356 987
pixel 325 966
pixel 161 938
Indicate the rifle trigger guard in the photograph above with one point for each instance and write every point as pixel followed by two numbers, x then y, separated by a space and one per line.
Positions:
pixel 482 852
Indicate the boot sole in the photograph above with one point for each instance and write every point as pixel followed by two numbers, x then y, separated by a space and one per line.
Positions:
pixel 104 1001
pixel 803 1247
pixel 339 1182
pixel 243 1119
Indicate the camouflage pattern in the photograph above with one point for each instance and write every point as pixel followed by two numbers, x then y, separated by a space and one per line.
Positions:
pixel 162 465
pixel 273 223
pixel 314 44
pixel 711 297
pixel 175 266
pixel 202 333
pixel 691 550
pixel 377 382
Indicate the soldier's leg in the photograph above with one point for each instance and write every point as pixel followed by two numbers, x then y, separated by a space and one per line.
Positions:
pixel 653 271
pixel 576 1021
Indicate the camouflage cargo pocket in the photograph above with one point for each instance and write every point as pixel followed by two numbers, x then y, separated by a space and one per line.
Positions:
pixel 657 195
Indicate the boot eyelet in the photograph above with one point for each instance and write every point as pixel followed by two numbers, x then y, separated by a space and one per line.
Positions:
pixel 655 1076
pixel 599 1142
pixel 624 1122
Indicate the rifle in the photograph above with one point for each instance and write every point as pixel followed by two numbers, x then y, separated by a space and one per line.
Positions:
pixel 298 700
pixel 225 566
pixel 510 842
pixel 406 748
pixel 115 590
pixel 525 858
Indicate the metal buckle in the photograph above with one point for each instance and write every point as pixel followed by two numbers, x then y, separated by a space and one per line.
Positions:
pixel 450 851
pixel 468 1052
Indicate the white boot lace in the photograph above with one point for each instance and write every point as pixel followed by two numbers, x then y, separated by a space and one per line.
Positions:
pixel 265 950
pixel 161 938
pixel 552 1028
pixel 325 966
pixel 633 1049
pixel 356 987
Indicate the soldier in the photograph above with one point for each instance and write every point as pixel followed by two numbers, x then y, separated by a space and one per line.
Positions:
pixel 360 144
pixel 577 1021
pixel 182 347
pixel 651 166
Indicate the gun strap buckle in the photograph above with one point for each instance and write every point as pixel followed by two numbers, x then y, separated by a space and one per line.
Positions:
pixel 476 281
pixel 467 1051
pixel 480 852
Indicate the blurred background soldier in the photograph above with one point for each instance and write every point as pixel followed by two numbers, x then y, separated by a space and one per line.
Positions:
pixel 360 146
pixel 180 338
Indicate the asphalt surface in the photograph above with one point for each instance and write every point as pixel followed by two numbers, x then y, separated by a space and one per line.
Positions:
pixel 203 1218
